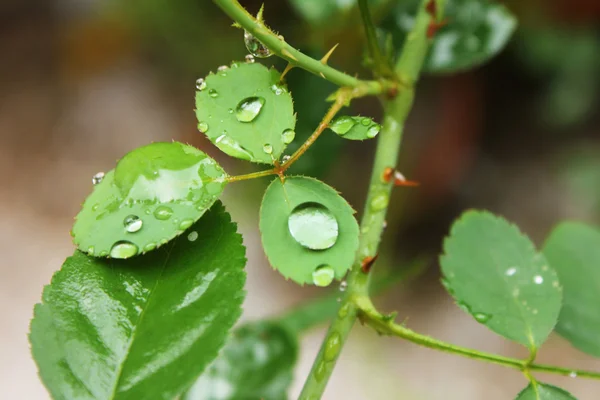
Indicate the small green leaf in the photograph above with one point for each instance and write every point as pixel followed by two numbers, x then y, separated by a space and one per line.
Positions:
pixel 573 250
pixel 542 391
pixel 307 229
pixel 246 112
pixel 144 328
pixel 494 272
pixel 154 194
pixel 256 363
pixel 355 128
pixel 477 30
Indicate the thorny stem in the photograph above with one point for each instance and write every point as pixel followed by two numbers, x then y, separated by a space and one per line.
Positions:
pixel 280 47
pixel 386 326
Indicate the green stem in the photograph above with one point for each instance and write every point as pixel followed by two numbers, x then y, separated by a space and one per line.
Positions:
pixel 253 175
pixel 380 65
pixel 280 47
pixel 388 146
pixel 386 326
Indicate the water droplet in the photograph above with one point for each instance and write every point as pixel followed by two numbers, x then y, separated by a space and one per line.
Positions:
pixel 286 158
pixel 332 347
pixel 323 275
pixel 313 226
pixel 249 58
pixel 95 207
pixel 200 84
pixel 147 211
pixel 163 213
pixel 255 46
pixel 123 249
pixel 276 89
pixel 342 125
pixel 222 68
pixel 538 279
pixel 186 223
pixel 132 223
pixel 249 108
pixel 373 131
pixel 213 93
pixel 343 311
pixel 233 148
pixel 230 111
pixel 149 247
pixel 511 271
pixel 96 179
pixel 103 253
pixel 320 371
pixel 90 250
pixel 573 374
pixel 379 202
pixel 482 317
pixel 203 127
pixel 288 136
pixel 193 236
pixel 343 286
pixel 267 148
pixel 464 306
pixel 366 121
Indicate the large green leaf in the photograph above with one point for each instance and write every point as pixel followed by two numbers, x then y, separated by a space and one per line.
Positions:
pixel 542 391
pixel 256 363
pixel 246 112
pixel 573 250
pixel 144 328
pixel 494 272
pixel 308 231
pixel 154 194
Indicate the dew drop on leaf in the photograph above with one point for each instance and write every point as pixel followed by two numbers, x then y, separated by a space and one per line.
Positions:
pixel 373 131
pixel 192 236
pixel 313 226
pixel 288 136
pixel 379 202
pixel 343 286
pixel 163 213
pixel 123 249
pixel 248 109
pixel 200 84
pixel 186 223
pixel 91 250
pixel 365 121
pixel 213 93
pixel 511 271
pixel 203 127
pixel 150 246
pixel 538 279
pixel 222 68
pixel 132 223
pixel 96 179
pixel 249 58
pixel 229 146
pixel 342 125
pixel 255 46
pixel 276 89
pixel 267 148
pixel 323 275
pixel 482 317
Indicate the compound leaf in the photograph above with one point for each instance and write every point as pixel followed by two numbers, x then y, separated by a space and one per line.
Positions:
pixel 542 391
pixel 246 112
pixel 573 250
pixel 144 328
pixel 154 194
pixel 494 272
pixel 308 230
pixel 256 363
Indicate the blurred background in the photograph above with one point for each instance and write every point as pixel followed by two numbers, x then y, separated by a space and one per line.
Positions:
pixel 84 82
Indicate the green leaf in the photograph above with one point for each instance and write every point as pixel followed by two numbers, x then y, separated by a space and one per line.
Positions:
pixel 494 272
pixel 542 391
pixel 246 112
pixel 573 250
pixel 477 31
pixel 355 128
pixel 154 194
pixel 144 328
pixel 256 363
pixel 308 230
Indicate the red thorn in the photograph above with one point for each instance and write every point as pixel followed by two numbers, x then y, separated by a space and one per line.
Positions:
pixel 400 180
pixel 367 263
pixel 434 27
pixel 386 176
pixel 431 8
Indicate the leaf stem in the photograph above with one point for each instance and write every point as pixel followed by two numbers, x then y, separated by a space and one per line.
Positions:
pixel 381 66
pixel 386 155
pixel 386 326
pixel 280 47
pixel 253 175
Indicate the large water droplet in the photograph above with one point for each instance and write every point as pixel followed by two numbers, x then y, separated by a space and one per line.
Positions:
pixel 332 347
pixel 342 125
pixel 379 202
pixel 373 131
pixel 163 213
pixel 203 127
pixel 233 148
pixel 323 275
pixel 96 179
pixel 288 136
pixel 200 84
pixel 132 223
pixel 249 58
pixel 313 226
pixel 249 108
pixel 255 46
pixel 267 148
pixel 482 317
pixel 213 93
pixel 123 249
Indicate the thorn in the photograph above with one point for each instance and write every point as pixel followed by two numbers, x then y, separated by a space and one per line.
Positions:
pixel 400 180
pixel 431 8
pixel 236 25
pixel 386 176
pixel 434 27
pixel 329 53
pixel 367 263
pixel 390 317
pixel 259 16
pixel 285 71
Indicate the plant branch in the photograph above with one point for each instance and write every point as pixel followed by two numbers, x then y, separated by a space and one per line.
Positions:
pixel 381 66
pixel 280 47
pixel 386 326
pixel 253 175
pixel 388 145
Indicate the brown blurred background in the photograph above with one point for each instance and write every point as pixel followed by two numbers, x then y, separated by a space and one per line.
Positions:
pixel 83 82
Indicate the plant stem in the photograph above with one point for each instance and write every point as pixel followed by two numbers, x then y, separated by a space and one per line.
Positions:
pixel 388 146
pixel 386 326
pixel 380 65
pixel 252 175
pixel 278 46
